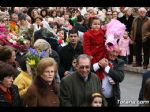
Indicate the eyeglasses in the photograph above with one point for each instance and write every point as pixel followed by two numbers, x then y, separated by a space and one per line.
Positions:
pixel 82 67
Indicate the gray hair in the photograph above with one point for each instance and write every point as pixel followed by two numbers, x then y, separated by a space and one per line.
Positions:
pixel 142 9
pixel 41 44
pixel 83 56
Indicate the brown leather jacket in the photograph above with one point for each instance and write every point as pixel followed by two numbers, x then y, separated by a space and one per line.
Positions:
pixel 145 29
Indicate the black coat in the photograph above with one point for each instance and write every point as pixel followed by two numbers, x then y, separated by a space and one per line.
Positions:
pixel 145 77
pixel 80 27
pixel 66 56
pixel 128 22
pixel 117 74
pixel 48 36
pixel 55 55
pixel 16 98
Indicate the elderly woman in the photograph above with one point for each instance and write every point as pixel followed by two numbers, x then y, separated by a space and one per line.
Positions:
pixel 9 95
pixel 41 45
pixel 44 89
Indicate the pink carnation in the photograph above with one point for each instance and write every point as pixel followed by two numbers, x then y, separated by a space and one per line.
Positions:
pixel 2 36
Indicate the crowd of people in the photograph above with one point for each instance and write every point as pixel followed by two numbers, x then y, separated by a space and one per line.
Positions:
pixel 70 56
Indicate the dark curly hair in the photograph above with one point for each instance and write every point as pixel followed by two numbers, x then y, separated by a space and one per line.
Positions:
pixel 6 52
pixel 46 11
pixel 6 70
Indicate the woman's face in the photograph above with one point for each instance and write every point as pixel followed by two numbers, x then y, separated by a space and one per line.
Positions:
pixel 129 12
pixel 61 34
pixel 55 29
pixel 12 58
pixel 48 74
pixel 7 81
pixel 43 13
pixel 61 9
pixel 29 19
pixel 54 14
pixel 35 14
pixel 22 22
pixel 115 15
pixel 38 21
pixel 95 24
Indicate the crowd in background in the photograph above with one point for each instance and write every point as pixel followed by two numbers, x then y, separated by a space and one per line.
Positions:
pixel 75 67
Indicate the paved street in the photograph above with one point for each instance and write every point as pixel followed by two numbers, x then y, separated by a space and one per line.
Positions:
pixel 130 87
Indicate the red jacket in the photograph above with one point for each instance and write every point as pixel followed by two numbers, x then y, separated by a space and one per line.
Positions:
pixel 94 44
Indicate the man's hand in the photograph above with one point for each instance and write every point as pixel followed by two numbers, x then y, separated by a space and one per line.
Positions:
pixel 103 62
pixel 66 73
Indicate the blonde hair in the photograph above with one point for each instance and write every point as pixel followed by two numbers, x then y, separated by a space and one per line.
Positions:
pixel 126 9
pixel 93 96
pixel 44 63
pixel 96 94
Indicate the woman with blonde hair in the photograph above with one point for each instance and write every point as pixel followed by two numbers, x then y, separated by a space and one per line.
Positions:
pixel 44 89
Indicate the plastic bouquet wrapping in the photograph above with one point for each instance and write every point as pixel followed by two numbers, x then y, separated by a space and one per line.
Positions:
pixel 13 28
pixel 33 58
pixel 3 28
pixel 9 35
pixel 114 31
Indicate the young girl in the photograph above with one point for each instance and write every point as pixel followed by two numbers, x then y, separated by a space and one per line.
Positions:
pixel 94 43
pixel 124 46
pixel 95 100
pixel 61 37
